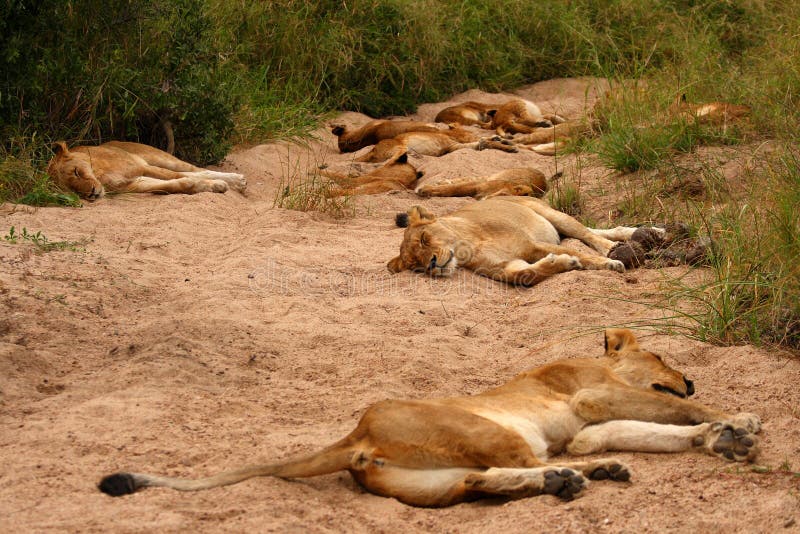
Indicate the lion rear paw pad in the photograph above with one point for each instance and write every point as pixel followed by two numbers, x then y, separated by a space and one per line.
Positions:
pixel 615 472
pixel 734 444
pixel 565 483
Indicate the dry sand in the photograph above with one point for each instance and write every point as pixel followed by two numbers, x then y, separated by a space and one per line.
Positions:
pixel 198 333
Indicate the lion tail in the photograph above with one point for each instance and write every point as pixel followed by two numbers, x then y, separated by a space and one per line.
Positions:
pixel 334 458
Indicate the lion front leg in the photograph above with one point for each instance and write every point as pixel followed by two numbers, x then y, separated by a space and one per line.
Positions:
pixel 188 186
pixel 731 440
pixel 621 402
pixel 520 272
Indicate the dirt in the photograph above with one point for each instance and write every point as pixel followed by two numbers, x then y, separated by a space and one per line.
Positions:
pixel 193 334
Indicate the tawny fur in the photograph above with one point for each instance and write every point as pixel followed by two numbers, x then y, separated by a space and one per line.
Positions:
pixel 438 452
pixel 521 116
pixel 375 131
pixel 523 181
pixel 436 143
pixel 718 113
pixel 468 114
pixel 509 239
pixel 125 167
pixel 548 141
pixel 395 175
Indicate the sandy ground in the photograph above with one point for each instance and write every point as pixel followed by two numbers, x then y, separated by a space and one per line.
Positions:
pixel 196 333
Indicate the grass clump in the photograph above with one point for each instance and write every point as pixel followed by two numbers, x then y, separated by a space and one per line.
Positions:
pixel 41 242
pixel 752 291
pixel 754 294
pixel 21 183
pixel 310 191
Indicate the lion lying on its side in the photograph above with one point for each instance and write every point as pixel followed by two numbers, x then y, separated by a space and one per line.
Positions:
pixel 521 116
pixel 124 167
pixel 522 181
pixel 397 174
pixel 468 114
pixel 435 144
pixel 375 131
pixel 439 452
pixel 510 239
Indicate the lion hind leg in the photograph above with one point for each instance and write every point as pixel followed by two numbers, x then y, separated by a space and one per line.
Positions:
pixel 554 118
pixel 601 469
pixel 517 483
pixel 520 272
pixel 416 487
pixel 569 227
pixel 587 261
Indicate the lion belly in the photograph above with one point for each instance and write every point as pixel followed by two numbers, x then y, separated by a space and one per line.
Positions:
pixel 546 430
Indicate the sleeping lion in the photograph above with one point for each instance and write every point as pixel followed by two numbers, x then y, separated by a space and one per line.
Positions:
pixel 123 167
pixel 506 238
pixel 439 452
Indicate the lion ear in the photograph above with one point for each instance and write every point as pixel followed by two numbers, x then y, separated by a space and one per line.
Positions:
pixel 491 112
pixel 419 215
pixel 337 130
pixel 620 340
pixel 396 265
pixel 60 148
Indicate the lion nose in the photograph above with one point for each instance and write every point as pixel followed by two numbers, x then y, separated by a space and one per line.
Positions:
pixel 689 386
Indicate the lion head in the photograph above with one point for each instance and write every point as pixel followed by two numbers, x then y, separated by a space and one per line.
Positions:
pixel 73 170
pixel 428 245
pixel 641 368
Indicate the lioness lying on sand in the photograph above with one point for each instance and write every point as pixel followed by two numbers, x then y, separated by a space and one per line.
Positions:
pixel 438 452
pixel 510 239
pixel 522 181
pixel 468 114
pixel 125 167
pixel 375 131
pixel 521 116
pixel 396 175
pixel 436 143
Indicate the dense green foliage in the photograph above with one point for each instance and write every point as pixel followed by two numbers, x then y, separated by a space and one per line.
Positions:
pixel 215 72
pixel 219 71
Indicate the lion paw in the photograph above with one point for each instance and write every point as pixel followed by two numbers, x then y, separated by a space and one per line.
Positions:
pixel 564 261
pixel 750 421
pixel 615 265
pixel 730 442
pixel 565 483
pixel 217 186
pixel 238 182
pixel 615 471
